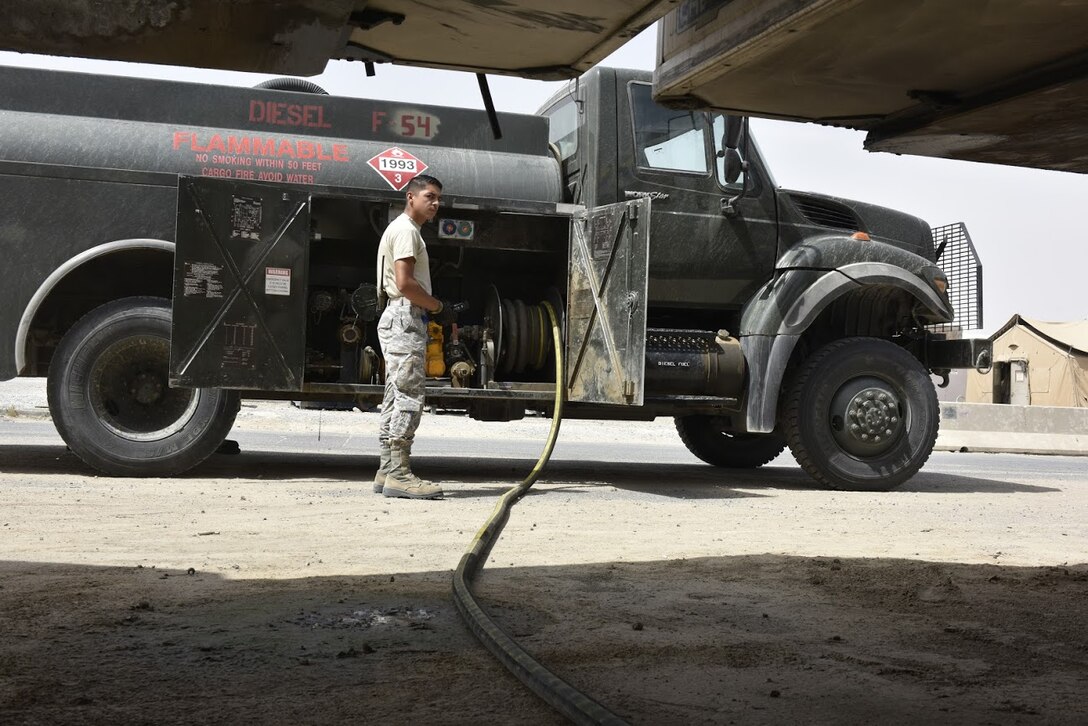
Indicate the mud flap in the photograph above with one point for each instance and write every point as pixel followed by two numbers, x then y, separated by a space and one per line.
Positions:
pixel 240 271
pixel 606 316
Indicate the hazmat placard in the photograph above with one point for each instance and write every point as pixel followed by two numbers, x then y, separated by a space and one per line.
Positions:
pixel 397 167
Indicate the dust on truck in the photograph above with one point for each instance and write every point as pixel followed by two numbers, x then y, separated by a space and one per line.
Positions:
pixel 173 248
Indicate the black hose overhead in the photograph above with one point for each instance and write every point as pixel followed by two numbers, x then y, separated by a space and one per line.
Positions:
pixel 559 694
pixel 489 106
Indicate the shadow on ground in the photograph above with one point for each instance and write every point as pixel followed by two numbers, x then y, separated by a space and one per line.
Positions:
pixel 754 640
pixel 685 481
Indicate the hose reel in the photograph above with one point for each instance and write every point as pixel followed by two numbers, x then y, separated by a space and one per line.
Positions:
pixel 521 331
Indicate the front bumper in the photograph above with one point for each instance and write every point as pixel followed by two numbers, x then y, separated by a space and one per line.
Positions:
pixel 943 354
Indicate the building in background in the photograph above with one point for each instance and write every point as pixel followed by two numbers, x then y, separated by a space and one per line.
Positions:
pixel 1035 363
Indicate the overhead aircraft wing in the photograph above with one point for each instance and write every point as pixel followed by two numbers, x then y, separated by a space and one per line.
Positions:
pixel 1002 81
pixel 548 40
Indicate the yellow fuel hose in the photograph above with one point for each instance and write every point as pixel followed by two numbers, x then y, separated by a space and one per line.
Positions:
pixel 559 694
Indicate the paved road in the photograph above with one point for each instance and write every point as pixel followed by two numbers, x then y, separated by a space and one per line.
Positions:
pixel 37 440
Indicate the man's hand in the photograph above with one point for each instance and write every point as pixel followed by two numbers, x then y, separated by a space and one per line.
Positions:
pixel 445 314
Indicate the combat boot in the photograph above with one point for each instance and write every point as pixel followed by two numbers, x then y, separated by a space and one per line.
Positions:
pixel 383 469
pixel 401 482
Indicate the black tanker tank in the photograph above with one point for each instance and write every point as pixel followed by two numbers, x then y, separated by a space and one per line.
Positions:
pixel 256 134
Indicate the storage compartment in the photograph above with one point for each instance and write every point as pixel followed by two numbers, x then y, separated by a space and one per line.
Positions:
pixel 275 291
pixel 500 266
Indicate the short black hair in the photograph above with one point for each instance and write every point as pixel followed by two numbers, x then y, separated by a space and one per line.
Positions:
pixel 422 181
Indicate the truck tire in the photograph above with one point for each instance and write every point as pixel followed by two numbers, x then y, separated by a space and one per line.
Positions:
pixel 110 398
pixel 861 414
pixel 705 438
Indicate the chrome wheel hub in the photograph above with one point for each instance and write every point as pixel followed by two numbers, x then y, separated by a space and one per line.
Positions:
pixel 867 416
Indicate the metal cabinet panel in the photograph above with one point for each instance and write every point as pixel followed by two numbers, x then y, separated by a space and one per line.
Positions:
pixel 240 272
pixel 606 309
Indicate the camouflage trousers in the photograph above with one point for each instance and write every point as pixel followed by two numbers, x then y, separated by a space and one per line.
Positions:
pixel 403 337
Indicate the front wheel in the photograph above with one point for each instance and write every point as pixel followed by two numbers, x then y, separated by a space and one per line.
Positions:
pixel 861 414
pixel 110 398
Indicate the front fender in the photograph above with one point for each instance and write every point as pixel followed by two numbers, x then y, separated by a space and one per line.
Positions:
pixel 785 307
pixel 788 304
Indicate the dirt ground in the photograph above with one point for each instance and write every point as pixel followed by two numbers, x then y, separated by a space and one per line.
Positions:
pixel 273 587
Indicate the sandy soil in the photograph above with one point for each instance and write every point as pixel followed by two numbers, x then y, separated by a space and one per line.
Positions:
pixel 275 588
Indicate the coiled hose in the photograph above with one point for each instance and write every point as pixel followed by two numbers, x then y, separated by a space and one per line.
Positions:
pixel 556 692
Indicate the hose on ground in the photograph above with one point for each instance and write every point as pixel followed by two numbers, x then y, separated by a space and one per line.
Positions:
pixel 556 692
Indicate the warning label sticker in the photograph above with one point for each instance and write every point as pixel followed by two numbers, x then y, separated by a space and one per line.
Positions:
pixel 397 167
pixel 238 345
pixel 245 218
pixel 202 279
pixel 277 281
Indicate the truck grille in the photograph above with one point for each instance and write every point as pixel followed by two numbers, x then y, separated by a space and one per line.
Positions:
pixel 956 255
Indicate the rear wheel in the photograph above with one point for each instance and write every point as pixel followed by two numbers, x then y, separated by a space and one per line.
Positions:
pixel 861 414
pixel 110 398
pixel 706 438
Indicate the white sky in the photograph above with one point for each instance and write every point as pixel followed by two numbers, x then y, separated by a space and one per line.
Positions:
pixel 1026 224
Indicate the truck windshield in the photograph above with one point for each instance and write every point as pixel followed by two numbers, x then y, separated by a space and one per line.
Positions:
pixel 667 138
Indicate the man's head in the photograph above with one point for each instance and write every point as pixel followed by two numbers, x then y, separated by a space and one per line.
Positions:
pixel 422 197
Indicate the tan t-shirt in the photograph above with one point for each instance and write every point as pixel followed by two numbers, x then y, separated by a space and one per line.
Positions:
pixel 402 240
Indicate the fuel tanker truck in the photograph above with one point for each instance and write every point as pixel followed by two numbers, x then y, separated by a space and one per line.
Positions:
pixel 172 248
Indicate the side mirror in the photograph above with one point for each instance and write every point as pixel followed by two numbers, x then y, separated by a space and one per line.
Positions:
pixel 734 165
pixel 733 127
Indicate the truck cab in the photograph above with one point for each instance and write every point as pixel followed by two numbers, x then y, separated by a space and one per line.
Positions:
pixel 786 273
pixel 617 144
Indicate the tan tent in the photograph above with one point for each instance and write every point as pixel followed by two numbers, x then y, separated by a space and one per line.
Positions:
pixel 1035 363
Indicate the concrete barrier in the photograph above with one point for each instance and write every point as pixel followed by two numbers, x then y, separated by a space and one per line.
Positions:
pixel 1010 429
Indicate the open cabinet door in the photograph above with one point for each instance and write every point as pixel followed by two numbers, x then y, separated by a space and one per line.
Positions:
pixel 606 304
